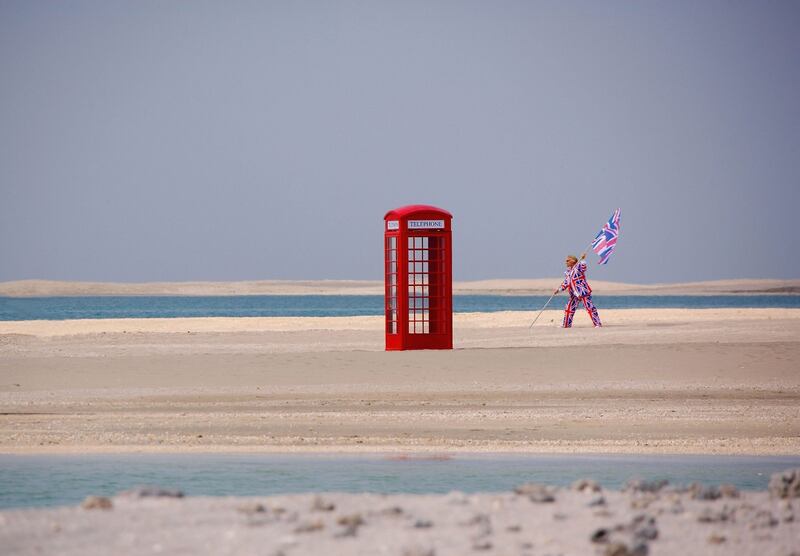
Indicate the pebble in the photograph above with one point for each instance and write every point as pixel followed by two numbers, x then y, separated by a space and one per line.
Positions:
pixel 648 532
pixel 309 526
pixel 597 501
pixel 583 485
pixel 483 523
pixel 763 519
pixel 618 548
pixel 536 493
pixel 600 535
pixel 705 493
pixel 785 484
pixel 97 503
pixel 149 491
pixel 320 505
pixel 418 551
pixel 482 544
pixel 423 524
pixel 351 523
pixel 729 491
pixel 638 485
pixel 709 515
pixel 716 538
pixel 251 508
pixel 352 519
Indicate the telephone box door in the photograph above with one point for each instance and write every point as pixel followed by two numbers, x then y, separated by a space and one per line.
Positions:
pixel 418 278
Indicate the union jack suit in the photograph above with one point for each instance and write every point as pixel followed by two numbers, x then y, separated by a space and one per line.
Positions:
pixel 579 290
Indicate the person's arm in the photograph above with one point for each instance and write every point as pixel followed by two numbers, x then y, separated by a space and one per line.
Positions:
pixel 582 264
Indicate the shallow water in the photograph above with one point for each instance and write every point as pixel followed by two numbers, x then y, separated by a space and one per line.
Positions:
pixel 60 308
pixel 54 480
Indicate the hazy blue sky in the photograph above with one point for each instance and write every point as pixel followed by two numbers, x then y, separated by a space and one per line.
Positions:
pixel 265 140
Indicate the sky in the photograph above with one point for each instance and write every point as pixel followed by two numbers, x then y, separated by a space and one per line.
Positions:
pixel 173 141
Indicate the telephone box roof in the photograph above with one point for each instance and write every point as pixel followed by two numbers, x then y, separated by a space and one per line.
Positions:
pixel 412 210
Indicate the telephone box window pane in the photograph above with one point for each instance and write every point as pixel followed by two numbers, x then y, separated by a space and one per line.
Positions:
pixel 392 243
pixel 411 243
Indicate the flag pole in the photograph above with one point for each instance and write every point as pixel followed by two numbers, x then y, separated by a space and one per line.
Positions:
pixel 543 308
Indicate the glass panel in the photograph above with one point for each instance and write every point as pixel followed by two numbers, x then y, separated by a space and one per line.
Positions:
pixel 425 328
pixel 392 243
pixel 393 255
pixel 393 282
pixel 411 243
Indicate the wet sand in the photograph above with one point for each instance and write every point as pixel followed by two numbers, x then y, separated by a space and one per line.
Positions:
pixel 723 381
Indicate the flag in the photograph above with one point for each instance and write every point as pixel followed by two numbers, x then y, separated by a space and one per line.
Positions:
pixel 606 240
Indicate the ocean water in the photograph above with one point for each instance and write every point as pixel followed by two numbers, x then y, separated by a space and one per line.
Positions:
pixel 60 308
pixel 55 480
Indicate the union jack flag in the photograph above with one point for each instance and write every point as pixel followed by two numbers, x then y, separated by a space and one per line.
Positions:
pixel 606 240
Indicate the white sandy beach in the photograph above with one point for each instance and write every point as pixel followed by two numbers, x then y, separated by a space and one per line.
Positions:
pixel 651 381
pixel 535 519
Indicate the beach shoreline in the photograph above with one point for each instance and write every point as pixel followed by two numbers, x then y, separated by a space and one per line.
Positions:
pixel 536 286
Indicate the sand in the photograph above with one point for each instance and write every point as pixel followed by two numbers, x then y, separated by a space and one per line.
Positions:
pixel 722 381
pixel 539 286
pixel 533 520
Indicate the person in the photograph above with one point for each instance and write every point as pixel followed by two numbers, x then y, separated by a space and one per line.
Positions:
pixel 579 291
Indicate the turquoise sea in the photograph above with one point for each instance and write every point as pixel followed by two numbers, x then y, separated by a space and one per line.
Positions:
pixel 54 480
pixel 60 308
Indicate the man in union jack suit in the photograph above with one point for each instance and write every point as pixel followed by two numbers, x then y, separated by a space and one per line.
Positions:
pixel 577 286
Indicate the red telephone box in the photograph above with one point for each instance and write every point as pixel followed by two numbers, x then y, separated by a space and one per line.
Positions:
pixel 419 278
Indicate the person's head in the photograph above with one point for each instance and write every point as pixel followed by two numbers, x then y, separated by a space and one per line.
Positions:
pixel 571 261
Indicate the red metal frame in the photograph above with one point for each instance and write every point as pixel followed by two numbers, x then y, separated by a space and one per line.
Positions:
pixel 418 273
